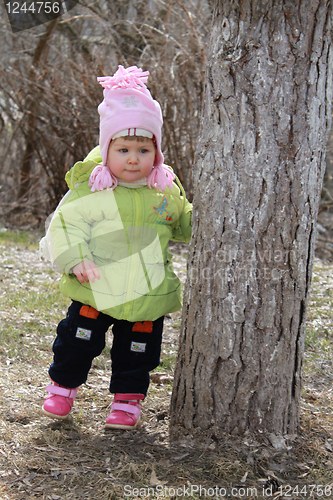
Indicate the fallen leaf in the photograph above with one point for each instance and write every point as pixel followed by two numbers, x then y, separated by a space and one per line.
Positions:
pixel 278 442
pixel 244 477
pixel 161 378
pixel 153 479
pixel 180 457
pixel 328 446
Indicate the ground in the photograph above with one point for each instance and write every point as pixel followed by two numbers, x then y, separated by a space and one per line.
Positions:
pixel 78 459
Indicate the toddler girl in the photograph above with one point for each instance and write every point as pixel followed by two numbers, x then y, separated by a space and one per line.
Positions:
pixel 109 237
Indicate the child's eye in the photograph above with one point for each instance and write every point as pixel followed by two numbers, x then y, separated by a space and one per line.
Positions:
pixel 143 150
pixel 123 150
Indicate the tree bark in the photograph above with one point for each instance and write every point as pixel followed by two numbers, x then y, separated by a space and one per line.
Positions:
pixel 258 177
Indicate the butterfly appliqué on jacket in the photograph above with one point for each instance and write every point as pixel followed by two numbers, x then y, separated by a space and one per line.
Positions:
pixel 163 211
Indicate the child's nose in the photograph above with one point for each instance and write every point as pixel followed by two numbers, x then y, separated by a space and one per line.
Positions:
pixel 133 157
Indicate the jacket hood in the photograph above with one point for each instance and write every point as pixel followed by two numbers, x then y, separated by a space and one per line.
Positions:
pixel 81 170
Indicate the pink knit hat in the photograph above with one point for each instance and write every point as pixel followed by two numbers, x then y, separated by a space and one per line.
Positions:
pixel 129 106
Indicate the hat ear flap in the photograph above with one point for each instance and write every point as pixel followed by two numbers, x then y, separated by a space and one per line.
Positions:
pixel 160 177
pixel 101 178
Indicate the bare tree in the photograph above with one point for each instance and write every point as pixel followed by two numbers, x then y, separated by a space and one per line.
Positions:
pixel 33 98
pixel 258 176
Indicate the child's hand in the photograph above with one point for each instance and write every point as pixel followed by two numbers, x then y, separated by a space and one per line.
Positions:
pixel 86 271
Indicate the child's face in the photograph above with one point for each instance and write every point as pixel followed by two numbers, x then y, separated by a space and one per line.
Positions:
pixel 131 160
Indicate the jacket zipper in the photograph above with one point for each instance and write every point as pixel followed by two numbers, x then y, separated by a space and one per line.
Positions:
pixel 137 222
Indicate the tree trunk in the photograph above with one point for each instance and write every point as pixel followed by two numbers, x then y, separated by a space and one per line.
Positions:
pixel 258 178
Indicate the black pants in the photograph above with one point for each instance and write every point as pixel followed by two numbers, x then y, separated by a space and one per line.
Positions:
pixel 80 338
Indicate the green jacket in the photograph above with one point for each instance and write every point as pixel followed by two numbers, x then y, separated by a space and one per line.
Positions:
pixel 126 232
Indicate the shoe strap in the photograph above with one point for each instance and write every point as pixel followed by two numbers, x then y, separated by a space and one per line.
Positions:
pixel 62 391
pixel 127 397
pixel 135 410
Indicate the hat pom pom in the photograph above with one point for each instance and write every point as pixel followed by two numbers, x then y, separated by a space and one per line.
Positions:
pixel 160 177
pixel 132 77
pixel 101 178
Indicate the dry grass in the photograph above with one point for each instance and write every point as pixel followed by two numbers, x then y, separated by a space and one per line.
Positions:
pixel 78 459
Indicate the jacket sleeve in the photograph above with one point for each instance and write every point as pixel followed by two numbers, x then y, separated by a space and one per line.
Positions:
pixel 183 230
pixel 70 233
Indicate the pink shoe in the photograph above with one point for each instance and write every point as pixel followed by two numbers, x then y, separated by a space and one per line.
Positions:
pixel 125 411
pixel 59 402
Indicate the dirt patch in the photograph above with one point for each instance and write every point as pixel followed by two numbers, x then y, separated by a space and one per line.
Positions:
pixel 78 459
